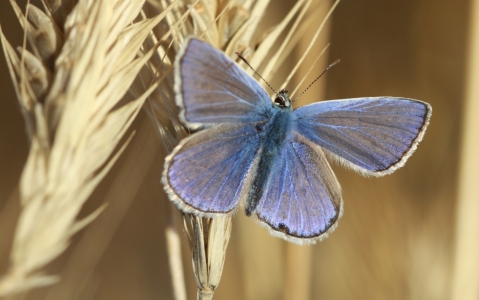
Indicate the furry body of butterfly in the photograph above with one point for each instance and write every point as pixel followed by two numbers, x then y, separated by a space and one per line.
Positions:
pixel 276 131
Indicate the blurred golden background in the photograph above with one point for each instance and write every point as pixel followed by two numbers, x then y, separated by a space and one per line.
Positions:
pixel 404 236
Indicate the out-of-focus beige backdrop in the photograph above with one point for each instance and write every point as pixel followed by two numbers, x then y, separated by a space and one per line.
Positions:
pixel 397 235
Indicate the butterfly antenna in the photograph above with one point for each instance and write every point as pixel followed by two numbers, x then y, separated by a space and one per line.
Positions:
pixel 246 62
pixel 325 70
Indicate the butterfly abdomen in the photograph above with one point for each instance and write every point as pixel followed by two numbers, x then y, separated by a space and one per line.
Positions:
pixel 274 133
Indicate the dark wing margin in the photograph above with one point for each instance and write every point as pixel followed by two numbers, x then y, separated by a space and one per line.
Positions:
pixel 374 136
pixel 302 202
pixel 211 88
pixel 207 173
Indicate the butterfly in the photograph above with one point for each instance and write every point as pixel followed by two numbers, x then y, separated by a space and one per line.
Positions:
pixel 253 151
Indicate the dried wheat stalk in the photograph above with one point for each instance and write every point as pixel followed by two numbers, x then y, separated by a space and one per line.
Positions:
pixel 82 62
pixel 465 269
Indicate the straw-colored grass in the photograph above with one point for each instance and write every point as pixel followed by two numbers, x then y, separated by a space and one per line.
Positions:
pixel 466 260
pixel 72 89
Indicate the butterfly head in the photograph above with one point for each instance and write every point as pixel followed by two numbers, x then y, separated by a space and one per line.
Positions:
pixel 282 100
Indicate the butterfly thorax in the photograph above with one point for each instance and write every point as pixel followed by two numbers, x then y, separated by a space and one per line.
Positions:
pixel 276 131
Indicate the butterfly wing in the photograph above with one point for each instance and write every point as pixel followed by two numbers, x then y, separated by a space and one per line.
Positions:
pixel 211 88
pixel 208 172
pixel 302 201
pixel 374 136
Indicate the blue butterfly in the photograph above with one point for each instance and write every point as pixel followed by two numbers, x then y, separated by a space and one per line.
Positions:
pixel 270 158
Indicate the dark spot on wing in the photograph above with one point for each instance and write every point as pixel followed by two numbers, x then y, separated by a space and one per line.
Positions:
pixel 282 227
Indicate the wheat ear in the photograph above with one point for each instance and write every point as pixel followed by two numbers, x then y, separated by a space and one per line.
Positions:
pixel 73 90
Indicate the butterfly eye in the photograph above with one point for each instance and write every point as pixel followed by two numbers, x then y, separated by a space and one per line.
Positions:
pixel 282 99
pixel 279 100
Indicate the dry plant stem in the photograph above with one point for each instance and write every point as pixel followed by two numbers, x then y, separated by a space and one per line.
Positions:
pixel 173 243
pixel 320 29
pixel 313 65
pixel 205 295
pixel 466 262
pixel 8 216
pixel 297 282
pixel 273 62
pixel 208 239
pixel 75 120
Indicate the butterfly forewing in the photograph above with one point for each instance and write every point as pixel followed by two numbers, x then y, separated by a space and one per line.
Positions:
pixel 211 88
pixel 302 200
pixel 207 172
pixel 372 135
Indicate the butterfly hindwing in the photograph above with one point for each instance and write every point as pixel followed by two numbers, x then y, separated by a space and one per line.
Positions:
pixel 374 136
pixel 207 172
pixel 302 201
pixel 211 88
